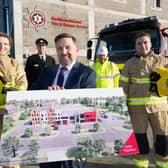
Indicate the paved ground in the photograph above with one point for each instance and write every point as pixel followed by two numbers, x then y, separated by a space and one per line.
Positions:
pixel 111 162
pixel 116 162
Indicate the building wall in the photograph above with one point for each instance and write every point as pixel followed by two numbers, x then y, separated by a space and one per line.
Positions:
pixel 84 19
pixel 130 6
pixel 161 12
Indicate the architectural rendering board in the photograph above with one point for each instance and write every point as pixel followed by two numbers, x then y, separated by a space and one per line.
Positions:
pixel 46 126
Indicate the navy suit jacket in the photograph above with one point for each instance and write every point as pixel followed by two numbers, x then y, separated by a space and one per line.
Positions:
pixel 80 76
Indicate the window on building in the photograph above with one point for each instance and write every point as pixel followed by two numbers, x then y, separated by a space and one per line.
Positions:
pixel 120 1
pixel 157 3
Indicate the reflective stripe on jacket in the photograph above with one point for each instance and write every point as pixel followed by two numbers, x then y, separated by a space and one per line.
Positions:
pixel 141 163
pixel 107 74
pixel 162 164
pixel 147 100
pixel 135 80
pixel 14 75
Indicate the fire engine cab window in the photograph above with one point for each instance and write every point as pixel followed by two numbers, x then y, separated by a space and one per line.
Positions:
pixel 121 46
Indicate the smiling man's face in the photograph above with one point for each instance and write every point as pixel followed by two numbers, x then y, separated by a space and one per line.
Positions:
pixel 67 51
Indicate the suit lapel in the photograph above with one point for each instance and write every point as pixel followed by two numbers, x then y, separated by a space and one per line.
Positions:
pixel 47 59
pixel 72 77
pixel 38 59
pixel 51 74
pixel 55 70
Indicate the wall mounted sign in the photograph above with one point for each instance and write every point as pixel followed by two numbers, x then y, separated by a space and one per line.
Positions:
pixel 68 22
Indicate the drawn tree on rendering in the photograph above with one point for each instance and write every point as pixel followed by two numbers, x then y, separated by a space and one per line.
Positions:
pixel 118 144
pixel 86 147
pixel 23 115
pixel 96 127
pixel 28 132
pixel 63 101
pixel 99 145
pixel 34 147
pixel 10 146
pixel 32 154
pixel 47 130
pixel 78 128
pixel 86 101
pixel 7 123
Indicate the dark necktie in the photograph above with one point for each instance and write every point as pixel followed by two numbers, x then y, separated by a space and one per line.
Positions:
pixel 60 79
pixel 42 59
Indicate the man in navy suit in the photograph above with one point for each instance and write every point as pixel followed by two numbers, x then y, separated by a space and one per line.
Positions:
pixel 75 75
pixel 36 62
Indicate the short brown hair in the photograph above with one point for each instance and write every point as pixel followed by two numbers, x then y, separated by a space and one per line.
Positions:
pixel 6 36
pixel 65 35
pixel 141 34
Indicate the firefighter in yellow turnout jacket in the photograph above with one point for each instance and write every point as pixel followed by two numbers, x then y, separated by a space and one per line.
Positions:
pixel 12 75
pixel 144 106
pixel 107 73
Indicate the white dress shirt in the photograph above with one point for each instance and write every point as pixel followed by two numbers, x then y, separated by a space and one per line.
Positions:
pixel 66 73
pixel 43 57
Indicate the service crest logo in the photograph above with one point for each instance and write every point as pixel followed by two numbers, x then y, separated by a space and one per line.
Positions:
pixel 37 18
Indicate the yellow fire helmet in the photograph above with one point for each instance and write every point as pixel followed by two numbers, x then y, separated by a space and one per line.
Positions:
pixel 162 81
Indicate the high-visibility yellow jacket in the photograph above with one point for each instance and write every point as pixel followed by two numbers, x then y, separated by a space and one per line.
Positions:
pixel 135 80
pixel 14 75
pixel 107 74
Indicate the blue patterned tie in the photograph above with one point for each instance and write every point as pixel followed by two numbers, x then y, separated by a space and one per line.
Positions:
pixel 60 79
